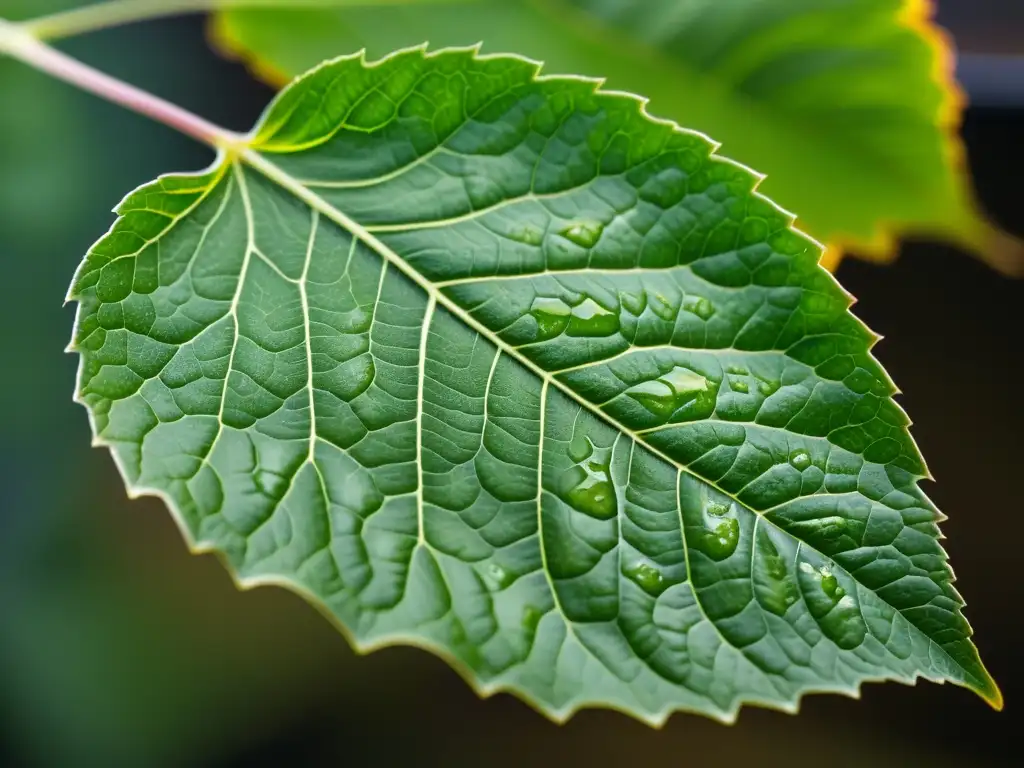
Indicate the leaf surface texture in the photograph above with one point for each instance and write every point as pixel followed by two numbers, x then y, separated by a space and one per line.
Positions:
pixel 498 365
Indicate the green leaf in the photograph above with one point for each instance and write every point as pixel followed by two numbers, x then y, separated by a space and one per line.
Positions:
pixel 848 106
pixel 497 365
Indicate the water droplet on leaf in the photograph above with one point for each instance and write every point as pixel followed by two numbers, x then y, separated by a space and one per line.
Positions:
pixel 800 460
pixel 591 490
pixel 830 585
pixel 635 303
pixel 776 592
pixel 721 533
pixel 717 509
pixel 656 396
pixel 584 233
pixel 528 235
pixel 723 539
pixel 588 318
pixel 552 316
pixel 667 394
pixel 685 382
pixel 699 306
pixel 663 308
pixel 498 576
pixel 832 607
pixel 648 578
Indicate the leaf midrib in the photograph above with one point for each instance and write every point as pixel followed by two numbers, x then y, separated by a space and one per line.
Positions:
pixel 280 177
pixel 283 179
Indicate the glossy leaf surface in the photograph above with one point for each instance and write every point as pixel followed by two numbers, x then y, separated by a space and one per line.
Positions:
pixel 498 365
pixel 846 105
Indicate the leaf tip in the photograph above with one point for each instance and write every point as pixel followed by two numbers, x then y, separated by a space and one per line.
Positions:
pixel 990 693
pixel 996 701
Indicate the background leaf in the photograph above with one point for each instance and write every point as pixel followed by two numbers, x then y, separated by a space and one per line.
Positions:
pixel 807 92
pixel 499 366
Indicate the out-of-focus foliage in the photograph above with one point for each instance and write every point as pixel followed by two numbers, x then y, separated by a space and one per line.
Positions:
pixel 847 106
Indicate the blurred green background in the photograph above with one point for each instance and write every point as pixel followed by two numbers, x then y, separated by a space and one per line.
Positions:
pixel 118 648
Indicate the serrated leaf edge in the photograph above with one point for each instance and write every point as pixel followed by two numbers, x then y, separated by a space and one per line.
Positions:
pixel 227 158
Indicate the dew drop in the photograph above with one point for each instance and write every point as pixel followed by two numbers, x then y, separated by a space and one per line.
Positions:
pixel 552 316
pixel 665 395
pixel 588 318
pixel 721 533
pixel 584 233
pixel 800 460
pixel 723 540
pixel 591 490
pixel 649 578
pixel 656 396
pixel 699 306
pixel 635 303
pixel 716 509
pixel 830 586
pixel 663 308
pixel 528 235
pixel 836 612
pixel 775 591
pixel 827 581
pixel 684 381
pixel 498 576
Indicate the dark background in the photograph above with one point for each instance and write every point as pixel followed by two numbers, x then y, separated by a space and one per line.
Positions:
pixel 118 648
